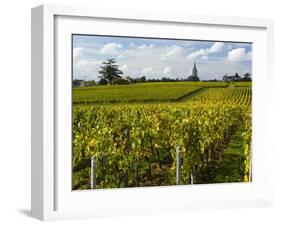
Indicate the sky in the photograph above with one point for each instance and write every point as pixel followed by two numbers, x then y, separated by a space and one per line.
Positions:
pixel 157 58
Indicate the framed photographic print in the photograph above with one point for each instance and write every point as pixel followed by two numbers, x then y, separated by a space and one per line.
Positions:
pixel 136 113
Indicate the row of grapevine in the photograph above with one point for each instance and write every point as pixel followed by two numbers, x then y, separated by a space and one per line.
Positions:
pixel 237 96
pixel 247 138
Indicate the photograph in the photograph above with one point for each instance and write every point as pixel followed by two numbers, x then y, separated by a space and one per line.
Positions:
pixel 150 111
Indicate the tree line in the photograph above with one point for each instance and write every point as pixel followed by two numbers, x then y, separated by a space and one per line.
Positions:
pixel 110 74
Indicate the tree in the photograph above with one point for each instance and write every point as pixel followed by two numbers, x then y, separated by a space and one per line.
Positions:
pixel 247 77
pixel 142 79
pixel 103 81
pixel 109 71
pixel 165 79
pixel 130 80
pixel 77 82
pixel 90 83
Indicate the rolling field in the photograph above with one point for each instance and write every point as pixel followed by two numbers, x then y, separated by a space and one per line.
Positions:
pixel 135 145
pixel 142 92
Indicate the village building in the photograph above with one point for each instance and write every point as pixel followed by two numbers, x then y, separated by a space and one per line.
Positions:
pixel 234 78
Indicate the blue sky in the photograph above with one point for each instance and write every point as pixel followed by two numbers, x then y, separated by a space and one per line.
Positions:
pixel 157 58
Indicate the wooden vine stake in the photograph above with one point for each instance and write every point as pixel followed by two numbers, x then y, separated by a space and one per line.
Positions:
pixel 178 173
pixel 250 164
pixel 93 172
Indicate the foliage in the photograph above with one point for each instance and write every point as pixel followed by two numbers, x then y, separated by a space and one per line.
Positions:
pixel 102 81
pixel 120 81
pixel 77 82
pixel 247 77
pixel 90 83
pixel 110 71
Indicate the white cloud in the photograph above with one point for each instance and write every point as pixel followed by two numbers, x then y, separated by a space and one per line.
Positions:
pixel 83 69
pixel 173 50
pixel 167 70
pixel 124 68
pixel 204 57
pixel 142 46
pixel 216 47
pixel 78 52
pixel 121 56
pixel 82 63
pixel 197 53
pixel 239 54
pixel 147 70
pixel 110 48
pixel 203 53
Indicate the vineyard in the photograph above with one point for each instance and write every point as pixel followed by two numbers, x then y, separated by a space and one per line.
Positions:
pixel 142 92
pixel 135 144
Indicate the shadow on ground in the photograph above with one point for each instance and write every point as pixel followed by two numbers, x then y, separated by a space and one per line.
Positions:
pixel 26 212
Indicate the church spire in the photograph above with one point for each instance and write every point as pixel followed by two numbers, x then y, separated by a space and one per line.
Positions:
pixel 194 70
pixel 194 76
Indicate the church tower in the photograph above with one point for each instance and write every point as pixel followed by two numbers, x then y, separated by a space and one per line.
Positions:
pixel 194 76
pixel 194 70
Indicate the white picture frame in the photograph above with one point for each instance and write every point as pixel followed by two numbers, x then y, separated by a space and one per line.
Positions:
pixel 51 198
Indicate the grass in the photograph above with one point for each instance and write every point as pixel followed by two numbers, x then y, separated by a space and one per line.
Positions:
pixel 230 169
pixel 198 93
